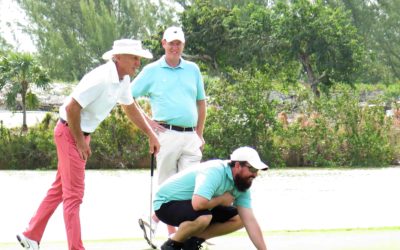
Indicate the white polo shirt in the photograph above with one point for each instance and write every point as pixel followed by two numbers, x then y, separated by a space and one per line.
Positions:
pixel 97 93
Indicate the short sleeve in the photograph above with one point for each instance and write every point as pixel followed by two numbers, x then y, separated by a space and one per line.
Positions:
pixel 125 97
pixel 141 84
pixel 207 182
pixel 201 93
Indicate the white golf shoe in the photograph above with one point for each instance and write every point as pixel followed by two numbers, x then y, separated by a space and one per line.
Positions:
pixel 27 243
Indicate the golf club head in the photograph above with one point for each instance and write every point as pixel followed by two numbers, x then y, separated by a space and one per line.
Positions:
pixel 146 237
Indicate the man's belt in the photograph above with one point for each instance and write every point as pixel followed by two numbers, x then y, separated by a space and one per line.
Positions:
pixel 177 128
pixel 66 124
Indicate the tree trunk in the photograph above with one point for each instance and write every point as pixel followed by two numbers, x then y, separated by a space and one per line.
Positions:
pixel 23 95
pixel 312 79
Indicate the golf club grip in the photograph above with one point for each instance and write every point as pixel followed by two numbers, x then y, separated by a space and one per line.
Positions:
pixel 152 165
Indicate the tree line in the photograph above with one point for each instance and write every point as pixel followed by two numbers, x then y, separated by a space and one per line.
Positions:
pixel 247 50
pixel 320 42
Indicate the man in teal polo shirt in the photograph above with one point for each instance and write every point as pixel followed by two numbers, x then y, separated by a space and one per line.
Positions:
pixel 210 200
pixel 175 89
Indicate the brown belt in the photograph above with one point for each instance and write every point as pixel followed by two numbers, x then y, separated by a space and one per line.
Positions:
pixel 66 124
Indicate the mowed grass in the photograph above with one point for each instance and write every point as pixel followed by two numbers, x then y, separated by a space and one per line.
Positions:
pixel 386 238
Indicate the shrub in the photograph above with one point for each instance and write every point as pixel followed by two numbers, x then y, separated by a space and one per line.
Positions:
pixel 240 113
pixel 32 150
pixel 337 131
pixel 117 143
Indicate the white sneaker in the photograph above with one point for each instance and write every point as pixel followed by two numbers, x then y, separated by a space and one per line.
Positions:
pixel 27 243
pixel 209 243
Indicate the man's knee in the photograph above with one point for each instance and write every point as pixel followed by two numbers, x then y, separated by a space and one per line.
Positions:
pixel 202 222
pixel 237 222
pixel 72 202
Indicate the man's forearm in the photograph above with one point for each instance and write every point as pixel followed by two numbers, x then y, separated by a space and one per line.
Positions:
pixel 138 117
pixel 202 113
pixel 73 111
pixel 201 203
pixel 252 227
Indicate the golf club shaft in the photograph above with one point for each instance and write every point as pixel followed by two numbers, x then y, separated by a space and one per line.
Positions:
pixel 152 165
pixel 151 195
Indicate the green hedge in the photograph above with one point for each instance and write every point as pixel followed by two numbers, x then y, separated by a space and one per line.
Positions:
pixel 333 130
pixel 339 131
pixel 115 144
pixel 32 150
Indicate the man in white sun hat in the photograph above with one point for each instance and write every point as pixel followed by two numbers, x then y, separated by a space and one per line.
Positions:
pixel 210 200
pixel 178 102
pixel 88 105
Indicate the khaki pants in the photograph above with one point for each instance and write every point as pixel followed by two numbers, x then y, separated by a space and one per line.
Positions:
pixel 179 150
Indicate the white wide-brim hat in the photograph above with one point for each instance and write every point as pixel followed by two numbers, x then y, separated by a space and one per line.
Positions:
pixel 127 46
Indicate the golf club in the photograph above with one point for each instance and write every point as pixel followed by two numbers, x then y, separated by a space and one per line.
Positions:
pixel 149 238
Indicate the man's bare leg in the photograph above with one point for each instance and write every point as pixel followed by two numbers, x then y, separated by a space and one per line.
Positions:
pixel 218 229
pixel 189 228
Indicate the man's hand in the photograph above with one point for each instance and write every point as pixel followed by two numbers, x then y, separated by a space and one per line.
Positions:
pixel 226 199
pixel 136 115
pixel 83 149
pixel 73 110
pixel 154 144
pixel 203 142
pixel 155 126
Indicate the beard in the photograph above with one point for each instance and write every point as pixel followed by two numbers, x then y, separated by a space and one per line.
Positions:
pixel 242 184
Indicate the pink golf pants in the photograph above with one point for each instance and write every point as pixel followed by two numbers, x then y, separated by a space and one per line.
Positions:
pixel 68 188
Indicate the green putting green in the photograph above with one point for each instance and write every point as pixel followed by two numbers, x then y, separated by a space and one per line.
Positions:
pixel 386 238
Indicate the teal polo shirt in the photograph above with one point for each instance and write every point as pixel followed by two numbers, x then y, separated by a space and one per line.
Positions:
pixel 208 179
pixel 173 91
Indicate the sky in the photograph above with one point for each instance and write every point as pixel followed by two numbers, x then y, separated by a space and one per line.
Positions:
pixel 11 13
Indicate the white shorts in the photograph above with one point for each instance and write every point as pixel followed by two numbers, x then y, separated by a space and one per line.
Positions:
pixel 179 150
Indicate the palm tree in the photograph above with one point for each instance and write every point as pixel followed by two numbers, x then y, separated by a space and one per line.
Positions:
pixel 18 70
pixel 4 45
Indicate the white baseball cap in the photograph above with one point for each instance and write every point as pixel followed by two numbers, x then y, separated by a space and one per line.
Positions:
pixel 250 155
pixel 127 46
pixel 174 33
